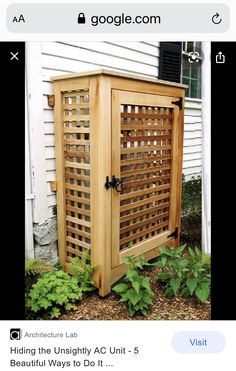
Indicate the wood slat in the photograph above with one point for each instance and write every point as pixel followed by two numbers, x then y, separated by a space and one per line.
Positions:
pixel 145 149
pixel 77 242
pixel 76 93
pixel 144 192
pixel 76 130
pixel 79 154
pixel 146 127
pixel 77 188
pixel 146 116
pixel 81 177
pixel 77 210
pixel 78 221
pixel 143 233
pixel 74 252
pixel 145 138
pixel 78 232
pixel 146 201
pixel 81 200
pixel 77 165
pixel 146 211
pixel 79 117
pixel 134 226
pixel 145 159
pixel 75 105
pixel 151 180
pixel 76 142
pixel 146 170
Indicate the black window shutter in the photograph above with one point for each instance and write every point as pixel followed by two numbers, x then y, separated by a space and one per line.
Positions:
pixel 170 61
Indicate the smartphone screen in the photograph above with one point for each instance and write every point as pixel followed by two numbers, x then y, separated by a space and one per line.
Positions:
pixel 118 132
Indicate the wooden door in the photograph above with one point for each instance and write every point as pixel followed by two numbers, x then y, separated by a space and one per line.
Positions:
pixel 145 158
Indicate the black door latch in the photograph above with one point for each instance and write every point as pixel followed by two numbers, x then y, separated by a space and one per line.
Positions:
pixel 113 184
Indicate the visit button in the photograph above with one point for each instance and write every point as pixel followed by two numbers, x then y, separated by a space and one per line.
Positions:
pixel 198 342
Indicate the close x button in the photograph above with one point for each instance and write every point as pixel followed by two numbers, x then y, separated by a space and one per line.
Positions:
pixel 14 56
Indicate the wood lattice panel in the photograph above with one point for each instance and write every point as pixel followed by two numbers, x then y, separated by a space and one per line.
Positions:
pixel 146 142
pixel 75 111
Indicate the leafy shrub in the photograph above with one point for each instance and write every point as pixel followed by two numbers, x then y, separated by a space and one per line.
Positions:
pixel 83 271
pixel 33 269
pixel 197 280
pixel 191 211
pixel 135 290
pixel 174 268
pixel 53 292
pixel 186 275
pixel 192 196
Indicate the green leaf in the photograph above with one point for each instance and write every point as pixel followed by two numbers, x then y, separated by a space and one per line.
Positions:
pixel 164 276
pixel 185 292
pixel 133 296
pixel 165 251
pixel 169 292
pixel 191 252
pixel 136 286
pixel 202 292
pixel 146 283
pixel 55 312
pixel 175 284
pixel 147 299
pixel 180 249
pixel 121 287
pixel 191 284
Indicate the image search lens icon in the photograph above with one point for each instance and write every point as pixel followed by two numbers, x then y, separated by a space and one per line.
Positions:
pixel 193 57
pixel 15 334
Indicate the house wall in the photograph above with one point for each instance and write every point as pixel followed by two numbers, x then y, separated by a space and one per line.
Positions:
pixel 57 58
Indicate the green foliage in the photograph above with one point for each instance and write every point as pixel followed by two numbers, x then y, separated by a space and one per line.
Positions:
pixel 52 293
pixel 191 212
pixel 35 267
pixel 186 275
pixel 135 290
pixel 192 196
pixel 83 271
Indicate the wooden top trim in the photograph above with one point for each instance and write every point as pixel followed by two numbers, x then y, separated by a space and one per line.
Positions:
pixel 118 74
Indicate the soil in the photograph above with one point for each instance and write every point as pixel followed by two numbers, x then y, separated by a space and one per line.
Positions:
pixel 93 307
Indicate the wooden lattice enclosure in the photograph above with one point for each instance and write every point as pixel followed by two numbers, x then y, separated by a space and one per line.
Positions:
pixel 119 141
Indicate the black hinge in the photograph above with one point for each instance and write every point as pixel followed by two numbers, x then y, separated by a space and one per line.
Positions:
pixel 178 103
pixel 174 234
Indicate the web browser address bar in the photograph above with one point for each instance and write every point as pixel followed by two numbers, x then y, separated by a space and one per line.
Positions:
pixel 124 18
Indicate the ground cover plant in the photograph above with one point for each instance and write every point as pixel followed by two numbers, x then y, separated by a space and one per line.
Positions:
pixel 188 275
pixel 135 289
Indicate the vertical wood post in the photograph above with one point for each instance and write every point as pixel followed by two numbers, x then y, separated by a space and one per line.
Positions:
pixel 59 144
pixel 100 112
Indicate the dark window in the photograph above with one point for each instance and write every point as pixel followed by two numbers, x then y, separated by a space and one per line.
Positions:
pixel 170 61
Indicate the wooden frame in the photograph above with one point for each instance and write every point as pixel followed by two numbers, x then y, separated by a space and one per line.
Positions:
pixel 89 140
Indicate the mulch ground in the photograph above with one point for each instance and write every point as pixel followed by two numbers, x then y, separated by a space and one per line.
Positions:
pixel 93 307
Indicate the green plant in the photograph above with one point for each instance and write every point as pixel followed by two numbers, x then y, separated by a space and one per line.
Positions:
pixel 52 293
pixel 33 269
pixel 198 278
pixel 135 290
pixel 174 268
pixel 191 196
pixel 185 274
pixel 191 212
pixel 83 271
